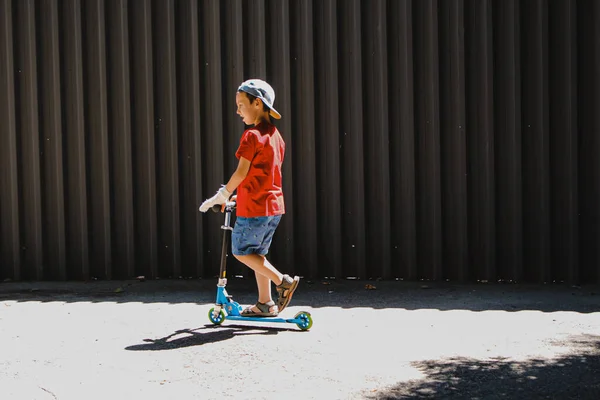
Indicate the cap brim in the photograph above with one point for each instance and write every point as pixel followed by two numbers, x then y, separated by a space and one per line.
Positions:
pixel 273 113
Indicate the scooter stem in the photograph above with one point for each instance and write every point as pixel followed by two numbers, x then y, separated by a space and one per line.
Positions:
pixel 226 227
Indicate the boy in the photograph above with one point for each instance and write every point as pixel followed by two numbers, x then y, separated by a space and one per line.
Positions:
pixel 259 197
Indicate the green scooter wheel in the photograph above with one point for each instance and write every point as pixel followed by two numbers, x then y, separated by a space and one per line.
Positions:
pixel 216 319
pixel 306 320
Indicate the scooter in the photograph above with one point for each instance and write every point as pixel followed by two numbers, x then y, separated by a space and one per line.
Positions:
pixel 225 307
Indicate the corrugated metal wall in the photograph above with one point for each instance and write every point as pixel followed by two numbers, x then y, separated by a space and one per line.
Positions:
pixel 427 139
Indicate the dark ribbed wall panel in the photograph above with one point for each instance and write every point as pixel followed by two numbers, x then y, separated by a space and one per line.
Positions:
pixel 328 145
pixel 188 84
pixel 9 197
pixel 143 134
pixel 376 137
pixel 536 141
pixel 28 139
pixel 507 147
pixel 279 60
pixel 166 139
pixel 429 139
pixel 52 142
pixel 120 138
pixel 403 240
pixel 74 141
pixel 453 157
pixel 480 139
pixel 564 208
pixel 304 136
pixel 588 17
pixel 255 41
pixel 97 146
pixel 212 118
pixel 427 143
pixel 354 254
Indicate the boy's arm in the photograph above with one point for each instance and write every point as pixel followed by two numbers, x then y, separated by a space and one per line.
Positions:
pixel 224 192
pixel 239 175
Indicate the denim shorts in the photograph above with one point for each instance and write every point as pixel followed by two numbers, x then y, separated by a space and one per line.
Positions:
pixel 253 235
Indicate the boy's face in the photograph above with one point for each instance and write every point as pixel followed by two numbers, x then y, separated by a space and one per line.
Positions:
pixel 250 112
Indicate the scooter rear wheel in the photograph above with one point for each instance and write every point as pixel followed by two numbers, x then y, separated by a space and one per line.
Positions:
pixel 216 319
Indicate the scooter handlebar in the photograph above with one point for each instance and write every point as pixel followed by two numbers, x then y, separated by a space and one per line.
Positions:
pixel 230 205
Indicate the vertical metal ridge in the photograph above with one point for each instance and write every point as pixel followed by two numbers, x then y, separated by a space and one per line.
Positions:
pixel 376 129
pixel 232 28
pixel 453 143
pixel 119 113
pixel 169 250
pixel 212 117
pixel 480 139
pixel 507 127
pixel 563 141
pixel 255 44
pixel 402 140
pixel 10 257
pixel 328 138
pixel 351 138
pixel 589 121
pixel 594 273
pixel 233 76
pixel 429 221
pixel 279 72
pixel 536 162
pixel 76 210
pixel 188 71
pixel 96 110
pixel 303 84
pixel 52 145
pixel 28 133
pixel 144 136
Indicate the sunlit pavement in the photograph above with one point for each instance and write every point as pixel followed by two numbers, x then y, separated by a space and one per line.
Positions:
pixel 370 339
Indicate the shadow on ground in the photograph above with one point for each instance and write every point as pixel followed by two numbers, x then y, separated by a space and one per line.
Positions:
pixel 339 293
pixel 205 335
pixel 575 376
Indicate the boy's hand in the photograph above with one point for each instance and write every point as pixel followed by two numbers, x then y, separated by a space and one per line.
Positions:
pixel 219 198
pixel 233 198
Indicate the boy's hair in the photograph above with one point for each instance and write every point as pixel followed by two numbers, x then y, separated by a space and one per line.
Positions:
pixel 252 98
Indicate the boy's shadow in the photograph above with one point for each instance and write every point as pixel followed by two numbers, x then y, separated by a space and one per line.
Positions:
pixel 204 335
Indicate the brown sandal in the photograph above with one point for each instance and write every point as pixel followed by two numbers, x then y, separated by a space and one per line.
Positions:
pixel 286 290
pixel 265 310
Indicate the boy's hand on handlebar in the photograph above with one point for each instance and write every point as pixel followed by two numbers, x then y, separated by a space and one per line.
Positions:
pixel 220 197
pixel 233 198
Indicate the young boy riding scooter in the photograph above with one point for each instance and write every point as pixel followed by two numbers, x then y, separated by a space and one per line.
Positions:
pixel 259 197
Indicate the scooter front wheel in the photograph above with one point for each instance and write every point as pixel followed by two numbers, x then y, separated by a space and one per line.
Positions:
pixel 306 320
pixel 218 318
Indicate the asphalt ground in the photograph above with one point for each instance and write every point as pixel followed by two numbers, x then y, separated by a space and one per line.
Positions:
pixel 370 340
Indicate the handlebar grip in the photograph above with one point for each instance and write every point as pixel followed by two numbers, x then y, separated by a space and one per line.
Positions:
pixel 229 205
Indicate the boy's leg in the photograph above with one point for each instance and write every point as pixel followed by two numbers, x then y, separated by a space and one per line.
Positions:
pixel 261 266
pixel 264 288
pixel 253 236
pixel 263 269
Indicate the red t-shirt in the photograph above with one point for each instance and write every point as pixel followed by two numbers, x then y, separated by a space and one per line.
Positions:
pixel 261 194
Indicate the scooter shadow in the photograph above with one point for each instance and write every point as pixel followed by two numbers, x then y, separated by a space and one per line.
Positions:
pixel 205 335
